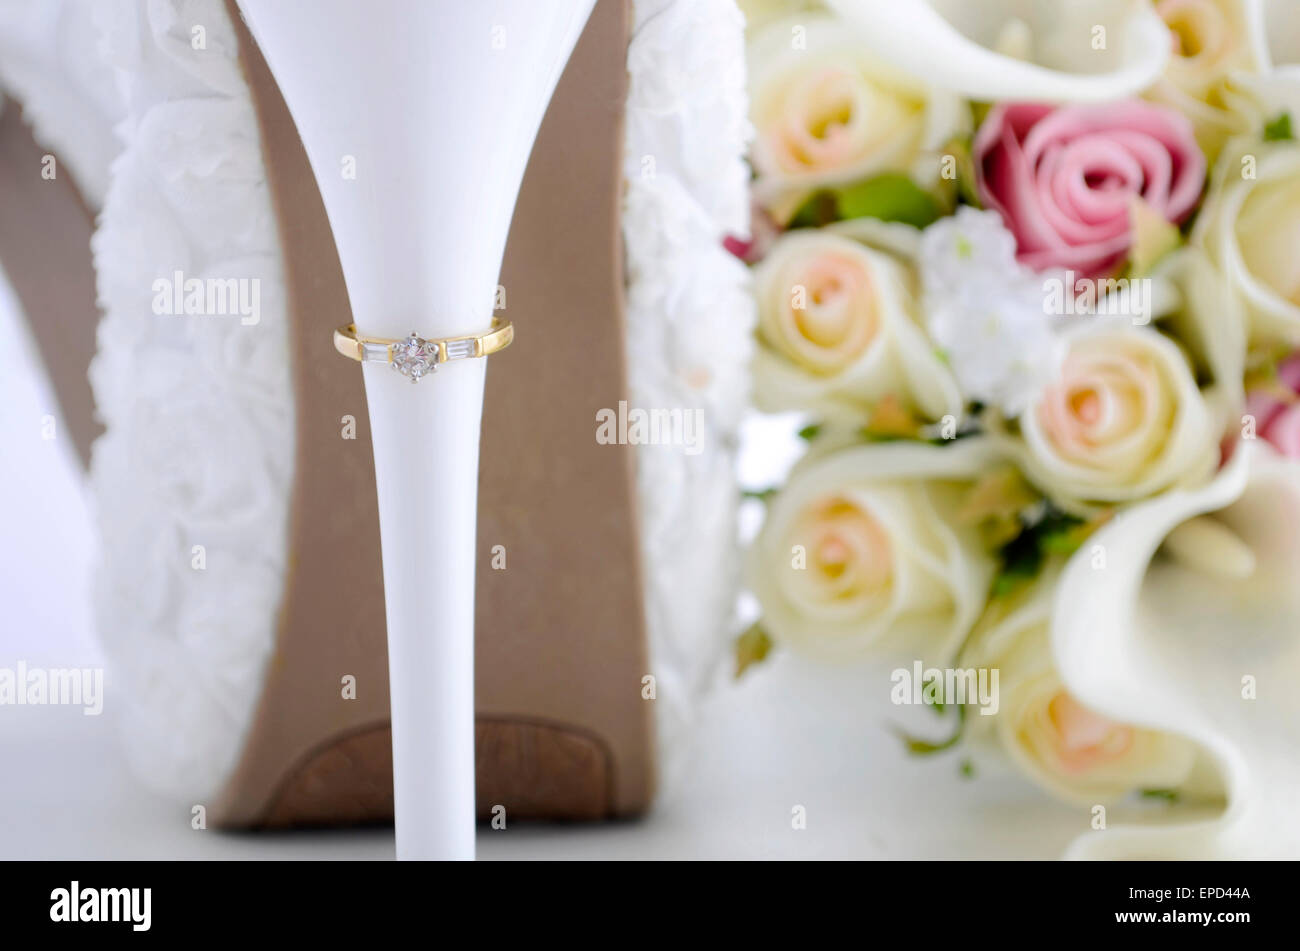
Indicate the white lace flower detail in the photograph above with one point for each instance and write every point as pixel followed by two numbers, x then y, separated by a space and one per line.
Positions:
pixel 986 312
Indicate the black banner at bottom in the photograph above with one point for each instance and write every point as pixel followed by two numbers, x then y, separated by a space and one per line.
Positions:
pixel 215 900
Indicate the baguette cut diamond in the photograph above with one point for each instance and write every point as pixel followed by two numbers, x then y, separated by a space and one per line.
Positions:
pixel 414 357
pixel 459 349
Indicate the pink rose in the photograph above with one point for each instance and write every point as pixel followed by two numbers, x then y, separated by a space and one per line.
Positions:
pixel 1277 419
pixel 1065 179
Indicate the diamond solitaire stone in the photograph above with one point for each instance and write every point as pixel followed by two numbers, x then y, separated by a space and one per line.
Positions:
pixel 414 357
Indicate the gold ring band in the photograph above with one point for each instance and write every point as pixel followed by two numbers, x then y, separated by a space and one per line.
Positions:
pixel 416 356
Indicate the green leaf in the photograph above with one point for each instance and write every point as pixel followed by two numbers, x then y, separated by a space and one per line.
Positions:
pixel 1153 238
pixel 1169 795
pixel 1056 533
pixel 1011 580
pixel 967 769
pixel 1279 129
pixel 809 432
pixel 938 706
pixel 761 494
pixel 1063 542
pixel 818 210
pixel 751 647
pixel 1021 560
pixel 922 747
pixel 890 197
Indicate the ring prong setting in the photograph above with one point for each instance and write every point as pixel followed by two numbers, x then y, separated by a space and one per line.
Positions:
pixel 415 357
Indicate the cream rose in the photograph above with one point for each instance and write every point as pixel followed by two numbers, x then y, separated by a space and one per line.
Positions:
pixel 836 334
pixel 862 551
pixel 1251 228
pixel 1211 41
pixel 825 112
pixel 1070 750
pixel 1123 420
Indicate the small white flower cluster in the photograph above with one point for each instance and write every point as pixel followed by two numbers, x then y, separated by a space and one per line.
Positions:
pixel 985 310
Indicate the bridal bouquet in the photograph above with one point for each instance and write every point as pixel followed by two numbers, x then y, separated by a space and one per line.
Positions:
pixel 1034 286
